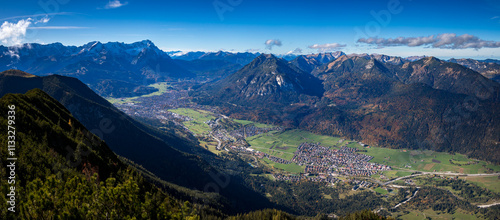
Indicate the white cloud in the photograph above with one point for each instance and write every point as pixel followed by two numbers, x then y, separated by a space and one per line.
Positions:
pixel 57 27
pixel 443 41
pixel 115 4
pixel 296 51
pixel 327 47
pixel 43 20
pixel 13 33
pixel 271 43
pixel 46 15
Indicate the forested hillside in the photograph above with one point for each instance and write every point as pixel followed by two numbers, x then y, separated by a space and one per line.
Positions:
pixel 64 171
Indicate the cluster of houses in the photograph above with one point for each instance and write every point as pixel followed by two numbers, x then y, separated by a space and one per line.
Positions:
pixel 322 160
pixel 355 172
pixel 345 161
pixel 360 184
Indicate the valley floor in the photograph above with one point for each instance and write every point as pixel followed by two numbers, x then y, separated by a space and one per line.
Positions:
pixel 294 155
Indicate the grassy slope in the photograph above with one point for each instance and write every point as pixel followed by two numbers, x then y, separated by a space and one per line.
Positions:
pixel 489 182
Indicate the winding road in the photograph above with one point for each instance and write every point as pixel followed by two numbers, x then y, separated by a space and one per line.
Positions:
pixel 401 203
pixel 487 206
pixel 441 173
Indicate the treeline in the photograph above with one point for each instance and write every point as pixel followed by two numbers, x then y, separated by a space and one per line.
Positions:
pixel 310 198
pixel 441 200
pixel 273 214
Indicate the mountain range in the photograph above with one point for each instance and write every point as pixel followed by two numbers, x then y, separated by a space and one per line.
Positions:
pixel 116 69
pixel 267 79
pixel 308 63
pixel 122 167
pixel 488 68
pixel 428 103
pixel 308 85
pixel 111 69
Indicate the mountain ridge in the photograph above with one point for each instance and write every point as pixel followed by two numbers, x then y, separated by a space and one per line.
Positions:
pixel 266 78
pixel 137 64
pixel 428 103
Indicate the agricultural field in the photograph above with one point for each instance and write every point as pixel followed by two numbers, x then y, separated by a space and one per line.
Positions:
pixel 291 168
pixel 197 125
pixel 390 174
pixel 161 86
pixel 284 144
pixel 489 182
pixel 403 161
pixel 427 160
pixel 256 124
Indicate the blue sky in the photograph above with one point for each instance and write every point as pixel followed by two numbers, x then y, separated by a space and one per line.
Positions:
pixel 395 27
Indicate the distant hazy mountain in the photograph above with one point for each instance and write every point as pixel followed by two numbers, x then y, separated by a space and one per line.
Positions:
pixel 267 79
pixel 213 65
pixel 388 59
pixel 488 68
pixel 414 58
pixel 209 70
pixel 238 58
pixel 129 66
pixel 192 55
pixel 490 61
pixel 174 52
pixel 287 57
pixel 308 63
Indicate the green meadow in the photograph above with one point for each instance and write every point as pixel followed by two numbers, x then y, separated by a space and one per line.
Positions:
pixel 291 168
pixel 284 144
pixel 489 182
pixel 381 191
pixel 161 86
pixel 197 125
pixel 256 124
pixel 427 160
